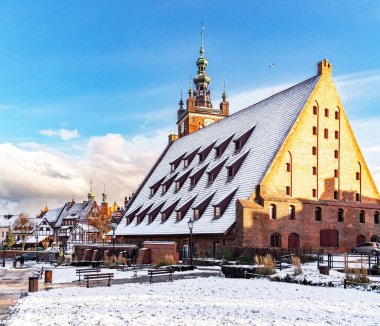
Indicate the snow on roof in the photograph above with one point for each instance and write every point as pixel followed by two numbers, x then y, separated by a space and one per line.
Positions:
pixel 8 220
pixel 272 118
pixel 75 210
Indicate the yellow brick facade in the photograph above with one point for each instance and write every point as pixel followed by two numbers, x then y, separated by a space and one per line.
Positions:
pixel 331 176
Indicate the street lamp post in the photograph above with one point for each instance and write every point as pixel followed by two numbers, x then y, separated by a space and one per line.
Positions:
pixel 4 242
pixel 36 236
pixel 113 228
pixel 103 237
pixel 190 224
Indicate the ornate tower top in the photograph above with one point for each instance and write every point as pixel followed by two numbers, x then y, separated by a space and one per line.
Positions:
pixel 202 80
pixel 104 196
pixel 91 194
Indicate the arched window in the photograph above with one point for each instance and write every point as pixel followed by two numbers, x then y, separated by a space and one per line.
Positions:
pixel 360 239
pixel 318 214
pixel 314 150
pixel 374 238
pixel 272 212
pixel 292 213
pixel 376 218
pixel 340 215
pixel 362 217
pixel 293 241
pixel 327 113
pixel 326 133
pixel 275 240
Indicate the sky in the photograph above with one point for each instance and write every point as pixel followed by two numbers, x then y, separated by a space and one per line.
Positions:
pixel 89 90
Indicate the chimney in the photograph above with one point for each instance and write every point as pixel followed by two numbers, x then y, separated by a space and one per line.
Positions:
pixel 325 68
pixel 172 138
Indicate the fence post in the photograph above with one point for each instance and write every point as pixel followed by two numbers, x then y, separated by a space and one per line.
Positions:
pixel 369 264
pixel 345 283
pixel 318 261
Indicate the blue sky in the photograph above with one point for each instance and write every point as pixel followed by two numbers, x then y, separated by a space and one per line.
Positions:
pixel 84 84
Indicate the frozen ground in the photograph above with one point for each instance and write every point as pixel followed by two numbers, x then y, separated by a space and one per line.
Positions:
pixel 201 301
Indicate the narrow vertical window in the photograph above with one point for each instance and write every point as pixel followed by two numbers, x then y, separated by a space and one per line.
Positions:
pixel 336 134
pixel 326 133
pixel 327 113
pixel 376 218
pixel 318 214
pixel 314 150
pixel 292 213
pixel 314 170
pixel 336 154
pixel 272 212
pixel 337 115
pixel 336 173
pixel 315 110
pixel 287 167
pixel 340 215
pixel 335 195
pixel 287 191
pixel 357 175
pixel 362 217
pixel 314 130
pixel 314 193
pixel 357 197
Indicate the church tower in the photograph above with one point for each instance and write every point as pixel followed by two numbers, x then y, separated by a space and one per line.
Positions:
pixel 91 194
pixel 199 111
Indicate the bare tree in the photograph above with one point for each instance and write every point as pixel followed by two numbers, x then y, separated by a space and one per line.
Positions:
pixel 23 226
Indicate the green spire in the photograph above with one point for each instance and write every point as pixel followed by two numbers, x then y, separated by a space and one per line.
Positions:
pixel 224 95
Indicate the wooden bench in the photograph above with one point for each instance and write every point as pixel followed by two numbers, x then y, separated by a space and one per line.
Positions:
pixel 39 272
pixel 162 271
pixel 121 266
pixel 98 277
pixel 84 271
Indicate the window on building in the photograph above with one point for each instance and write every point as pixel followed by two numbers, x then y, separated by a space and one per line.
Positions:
pixel 360 239
pixel 233 168
pixel 217 211
pixel 275 240
pixel 376 218
pixel 314 170
pixel 287 190
pixel 336 195
pixel 374 238
pixel 196 213
pixel 357 196
pixel 164 188
pixel 326 133
pixel 336 134
pixel 231 172
pixel 314 130
pixel 179 216
pixel 239 142
pixel 357 176
pixel 340 215
pixel 318 214
pixel 337 115
pixel 288 167
pixel 315 110
pixel 314 193
pixel 292 213
pixel 272 212
pixel 185 163
pixel 336 154
pixel 336 173
pixel 314 150
pixel 327 113
pixel 362 217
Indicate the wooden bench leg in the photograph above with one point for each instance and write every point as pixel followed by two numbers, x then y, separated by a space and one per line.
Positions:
pixel 170 278
pixel 109 281
pixel 150 281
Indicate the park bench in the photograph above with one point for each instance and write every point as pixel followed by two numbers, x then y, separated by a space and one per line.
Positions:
pixel 38 272
pixel 135 268
pixel 121 266
pixel 98 277
pixel 162 271
pixel 84 271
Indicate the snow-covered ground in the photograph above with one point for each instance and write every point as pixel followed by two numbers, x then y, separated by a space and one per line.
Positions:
pixel 201 301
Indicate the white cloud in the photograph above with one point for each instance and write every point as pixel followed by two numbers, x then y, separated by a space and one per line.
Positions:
pixel 64 134
pixel 32 175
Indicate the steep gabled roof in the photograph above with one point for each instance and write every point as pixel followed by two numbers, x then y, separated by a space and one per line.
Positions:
pixel 272 120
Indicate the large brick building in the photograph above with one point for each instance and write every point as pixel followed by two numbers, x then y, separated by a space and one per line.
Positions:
pixel 286 172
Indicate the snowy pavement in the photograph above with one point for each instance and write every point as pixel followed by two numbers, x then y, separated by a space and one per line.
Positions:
pixel 201 301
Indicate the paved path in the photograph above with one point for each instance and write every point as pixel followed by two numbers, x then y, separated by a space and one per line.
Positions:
pixel 13 285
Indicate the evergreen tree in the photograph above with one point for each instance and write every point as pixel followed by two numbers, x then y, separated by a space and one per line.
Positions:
pixel 10 238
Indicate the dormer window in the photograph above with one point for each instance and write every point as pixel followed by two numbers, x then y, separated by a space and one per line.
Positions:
pixel 154 188
pixel 164 188
pixel 185 163
pixel 189 158
pixel 179 216
pixel 213 173
pixel 234 167
pixel 172 168
pixel 202 206
pixel 239 143
pixel 219 150
pixel 177 185
pixel 181 180
pixel 166 185
pixel 210 178
pixel 196 214
pixel 197 175
pixel 217 211
pixel 174 164
pixel 221 206
pixel 204 153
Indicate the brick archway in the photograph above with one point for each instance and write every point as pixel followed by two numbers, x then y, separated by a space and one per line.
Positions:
pixel 293 241
pixel 360 239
